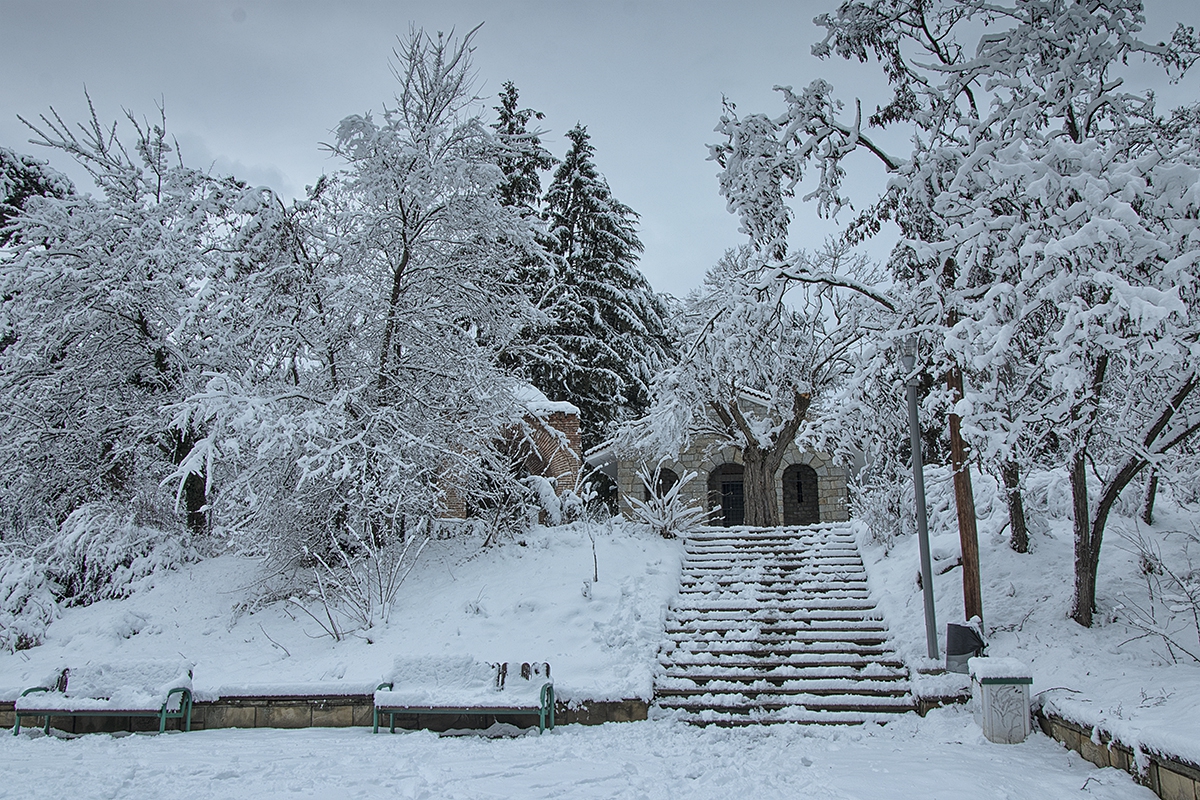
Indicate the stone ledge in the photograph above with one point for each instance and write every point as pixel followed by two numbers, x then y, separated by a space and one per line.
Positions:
pixel 1168 776
pixel 928 703
pixel 342 711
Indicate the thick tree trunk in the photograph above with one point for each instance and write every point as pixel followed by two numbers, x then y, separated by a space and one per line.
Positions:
pixel 1148 497
pixel 1084 602
pixel 195 496
pixel 758 486
pixel 1018 539
pixel 964 500
pixel 759 465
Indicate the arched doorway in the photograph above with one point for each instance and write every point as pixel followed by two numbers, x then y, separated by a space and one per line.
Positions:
pixel 666 479
pixel 800 502
pixel 726 490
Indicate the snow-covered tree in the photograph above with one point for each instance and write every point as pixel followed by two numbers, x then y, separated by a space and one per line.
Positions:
pixel 754 358
pixel 377 309
pixel 104 301
pixel 1048 219
pixel 522 156
pixel 606 333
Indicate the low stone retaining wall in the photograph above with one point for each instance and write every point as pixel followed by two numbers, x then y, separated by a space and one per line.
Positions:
pixel 337 711
pixel 1168 776
pixel 927 703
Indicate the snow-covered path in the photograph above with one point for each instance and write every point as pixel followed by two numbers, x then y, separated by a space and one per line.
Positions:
pixel 941 756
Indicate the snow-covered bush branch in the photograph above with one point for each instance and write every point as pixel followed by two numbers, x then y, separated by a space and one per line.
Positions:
pixel 665 510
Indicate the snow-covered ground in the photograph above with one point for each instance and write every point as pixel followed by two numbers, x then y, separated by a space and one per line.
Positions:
pixel 528 599
pixel 533 598
pixel 942 756
pixel 1111 675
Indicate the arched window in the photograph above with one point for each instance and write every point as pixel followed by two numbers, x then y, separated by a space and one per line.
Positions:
pixel 666 479
pixel 800 506
pixel 726 495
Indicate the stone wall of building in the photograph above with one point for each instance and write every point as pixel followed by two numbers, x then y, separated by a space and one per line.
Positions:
pixel 702 457
pixel 548 445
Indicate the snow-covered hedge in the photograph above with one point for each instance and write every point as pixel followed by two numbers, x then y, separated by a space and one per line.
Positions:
pixel 27 603
pixel 101 552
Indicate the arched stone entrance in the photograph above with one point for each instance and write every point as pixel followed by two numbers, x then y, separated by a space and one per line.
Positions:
pixel 801 501
pixel 726 491
pixel 666 479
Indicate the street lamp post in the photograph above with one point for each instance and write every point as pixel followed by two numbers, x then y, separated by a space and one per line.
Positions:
pixel 908 358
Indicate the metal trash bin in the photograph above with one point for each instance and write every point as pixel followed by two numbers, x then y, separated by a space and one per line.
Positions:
pixel 1000 698
pixel 962 642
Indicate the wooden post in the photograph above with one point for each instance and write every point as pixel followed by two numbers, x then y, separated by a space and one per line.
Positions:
pixel 964 500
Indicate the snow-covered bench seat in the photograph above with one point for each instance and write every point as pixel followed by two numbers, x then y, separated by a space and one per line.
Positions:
pixel 462 685
pixel 161 689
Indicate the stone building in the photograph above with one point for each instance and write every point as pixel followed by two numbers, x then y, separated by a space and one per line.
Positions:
pixel 546 444
pixel 809 487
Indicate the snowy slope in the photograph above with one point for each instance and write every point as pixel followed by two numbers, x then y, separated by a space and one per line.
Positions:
pixel 1108 675
pixel 518 601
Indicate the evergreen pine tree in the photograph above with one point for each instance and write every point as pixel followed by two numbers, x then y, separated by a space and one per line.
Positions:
pixel 606 335
pixel 23 177
pixel 522 157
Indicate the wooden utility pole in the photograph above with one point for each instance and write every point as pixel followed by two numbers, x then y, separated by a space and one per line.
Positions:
pixel 964 500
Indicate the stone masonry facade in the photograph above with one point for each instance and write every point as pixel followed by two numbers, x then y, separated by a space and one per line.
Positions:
pixel 548 445
pixel 703 456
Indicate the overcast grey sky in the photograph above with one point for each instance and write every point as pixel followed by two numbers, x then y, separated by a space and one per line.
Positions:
pixel 254 87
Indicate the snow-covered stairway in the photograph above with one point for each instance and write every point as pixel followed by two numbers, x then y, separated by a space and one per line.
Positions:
pixel 778 625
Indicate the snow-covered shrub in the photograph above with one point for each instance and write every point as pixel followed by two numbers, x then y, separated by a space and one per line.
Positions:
pixel 27 602
pixel 356 582
pixel 548 500
pixel 1170 610
pixel 883 501
pixel 103 551
pixel 665 511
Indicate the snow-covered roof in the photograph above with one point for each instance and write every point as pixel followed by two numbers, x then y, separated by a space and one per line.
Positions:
pixel 532 398
pixel 602 458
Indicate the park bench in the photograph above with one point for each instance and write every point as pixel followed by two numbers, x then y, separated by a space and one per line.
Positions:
pixel 463 685
pixel 161 689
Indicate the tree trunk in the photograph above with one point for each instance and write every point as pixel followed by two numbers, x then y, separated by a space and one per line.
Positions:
pixel 389 325
pixel 195 496
pixel 759 465
pixel 1148 498
pixel 758 487
pixel 195 485
pixel 1084 602
pixel 1089 528
pixel 1010 472
pixel 964 500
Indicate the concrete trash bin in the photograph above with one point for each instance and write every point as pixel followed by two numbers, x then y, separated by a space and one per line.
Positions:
pixel 1000 698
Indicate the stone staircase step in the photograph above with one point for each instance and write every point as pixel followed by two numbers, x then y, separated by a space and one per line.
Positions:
pixel 772 548
pixel 739 718
pixel 749 535
pixel 764 692
pixel 777 700
pixel 750 648
pixel 796 612
pixel 803 633
pixel 789 564
pixel 782 672
pixel 769 661
pixel 777 625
